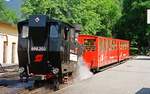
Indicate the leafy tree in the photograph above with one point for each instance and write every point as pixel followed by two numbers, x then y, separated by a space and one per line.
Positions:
pixel 132 24
pixel 93 15
pixel 7 15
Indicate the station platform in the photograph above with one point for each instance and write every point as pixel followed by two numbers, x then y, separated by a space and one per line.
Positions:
pixel 131 77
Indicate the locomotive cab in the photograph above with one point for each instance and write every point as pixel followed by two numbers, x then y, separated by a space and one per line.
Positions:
pixel 46 48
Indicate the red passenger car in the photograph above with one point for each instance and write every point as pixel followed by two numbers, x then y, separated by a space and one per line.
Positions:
pixel 102 51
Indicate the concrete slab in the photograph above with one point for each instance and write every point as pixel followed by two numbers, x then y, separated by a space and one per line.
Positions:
pixel 132 77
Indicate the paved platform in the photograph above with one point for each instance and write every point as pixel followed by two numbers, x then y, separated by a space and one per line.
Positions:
pixel 132 77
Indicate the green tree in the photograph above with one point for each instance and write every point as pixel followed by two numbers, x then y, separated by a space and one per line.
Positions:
pixel 132 25
pixel 93 15
pixel 7 15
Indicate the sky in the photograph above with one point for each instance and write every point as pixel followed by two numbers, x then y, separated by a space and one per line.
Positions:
pixel 14 5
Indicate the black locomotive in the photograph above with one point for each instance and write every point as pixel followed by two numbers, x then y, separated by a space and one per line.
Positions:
pixel 47 49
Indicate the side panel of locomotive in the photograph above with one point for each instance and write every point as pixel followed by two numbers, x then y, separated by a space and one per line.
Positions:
pixel 102 51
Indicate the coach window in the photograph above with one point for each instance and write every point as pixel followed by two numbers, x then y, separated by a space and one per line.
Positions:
pixel 104 45
pixel 107 45
pixel 113 45
pixel 110 45
pixel 25 31
pixel 90 44
pixel 125 46
pixel 101 45
pixel 121 45
pixel 108 42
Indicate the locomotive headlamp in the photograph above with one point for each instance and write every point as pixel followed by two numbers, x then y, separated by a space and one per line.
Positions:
pixel 21 70
pixel 37 19
pixel 55 70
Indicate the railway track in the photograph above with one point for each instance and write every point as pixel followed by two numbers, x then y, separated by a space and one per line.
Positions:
pixel 27 90
pixel 9 84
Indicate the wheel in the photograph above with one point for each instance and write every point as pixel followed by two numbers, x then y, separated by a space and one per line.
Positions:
pixel 23 77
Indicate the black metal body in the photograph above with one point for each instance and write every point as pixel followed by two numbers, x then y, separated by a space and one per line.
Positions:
pixel 45 44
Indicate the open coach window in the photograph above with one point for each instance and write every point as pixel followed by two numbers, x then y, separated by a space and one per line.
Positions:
pixel 90 44
pixel 25 32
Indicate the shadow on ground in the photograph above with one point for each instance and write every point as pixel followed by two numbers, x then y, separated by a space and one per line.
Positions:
pixel 4 82
pixel 143 91
pixel 15 83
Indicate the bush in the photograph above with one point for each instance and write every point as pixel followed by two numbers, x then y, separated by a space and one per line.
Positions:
pixel 133 51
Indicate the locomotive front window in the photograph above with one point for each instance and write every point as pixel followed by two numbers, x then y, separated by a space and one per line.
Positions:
pixel 25 32
pixel 54 31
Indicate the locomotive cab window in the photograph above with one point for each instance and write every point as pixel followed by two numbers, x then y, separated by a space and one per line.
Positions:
pixel 25 32
pixel 54 35
pixel 54 31
pixel 90 44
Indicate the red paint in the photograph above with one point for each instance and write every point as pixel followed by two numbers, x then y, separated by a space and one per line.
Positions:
pixel 38 58
pixel 103 51
pixel 49 75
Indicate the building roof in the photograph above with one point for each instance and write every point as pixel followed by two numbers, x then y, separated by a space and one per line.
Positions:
pixel 6 28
